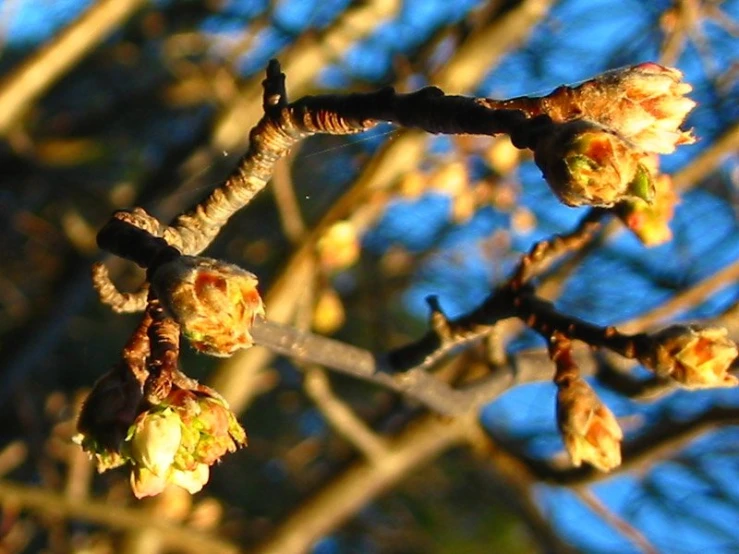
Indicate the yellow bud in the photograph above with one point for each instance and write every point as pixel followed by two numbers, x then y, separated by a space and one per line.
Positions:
pixel 339 247
pixel 328 314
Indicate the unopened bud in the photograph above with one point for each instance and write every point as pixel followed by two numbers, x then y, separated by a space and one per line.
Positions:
pixel 651 222
pixel 587 164
pixel 106 417
pixel 145 482
pixel 214 302
pixel 155 440
pixel 695 357
pixel 589 430
pixel 652 106
pixel 645 104
pixel 192 480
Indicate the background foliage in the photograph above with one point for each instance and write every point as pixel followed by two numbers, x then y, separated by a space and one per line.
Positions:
pixel 155 114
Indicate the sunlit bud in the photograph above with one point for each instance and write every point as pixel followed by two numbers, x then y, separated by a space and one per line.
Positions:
pixel 214 302
pixel 654 107
pixel 146 483
pixel 651 222
pixel 451 178
pixel 645 103
pixel 220 432
pixel 589 430
pixel 209 428
pixel 502 156
pixel 586 164
pixel 155 440
pixel 176 441
pixel 339 247
pixel 193 480
pixel 328 314
pixel 694 357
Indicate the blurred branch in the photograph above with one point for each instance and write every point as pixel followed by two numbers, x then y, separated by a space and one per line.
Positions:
pixel 346 494
pixel 621 525
pixel 686 299
pixel 44 68
pixel 342 417
pixel 53 504
pixel 11 456
pixel 707 161
pixel 516 484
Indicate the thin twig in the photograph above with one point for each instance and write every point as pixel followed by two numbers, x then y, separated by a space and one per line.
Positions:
pixel 620 524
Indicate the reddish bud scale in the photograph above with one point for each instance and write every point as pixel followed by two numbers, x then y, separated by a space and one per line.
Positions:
pixel 215 303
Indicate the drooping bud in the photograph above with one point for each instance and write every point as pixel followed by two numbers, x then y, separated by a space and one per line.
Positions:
pixel 106 416
pixel 191 480
pixel 145 482
pixel 695 357
pixel 589 429
pixel 155 440
pixel 214 302
pixel 587 164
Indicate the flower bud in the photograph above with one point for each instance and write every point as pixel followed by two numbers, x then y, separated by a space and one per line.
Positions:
pixel 145 482
pixel 214 302
pixel 652 106
pixel 155 440
pixel 587 164
pixel 645 104
pixel 193 480
pixel 695 357
pixel 106 416
pixel 589 429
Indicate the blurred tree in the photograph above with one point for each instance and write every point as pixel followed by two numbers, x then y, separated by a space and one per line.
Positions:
pixel 119 103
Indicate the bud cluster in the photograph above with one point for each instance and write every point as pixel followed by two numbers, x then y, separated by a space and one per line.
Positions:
pixel 605 128
pixel 173 442
pixel 176 442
